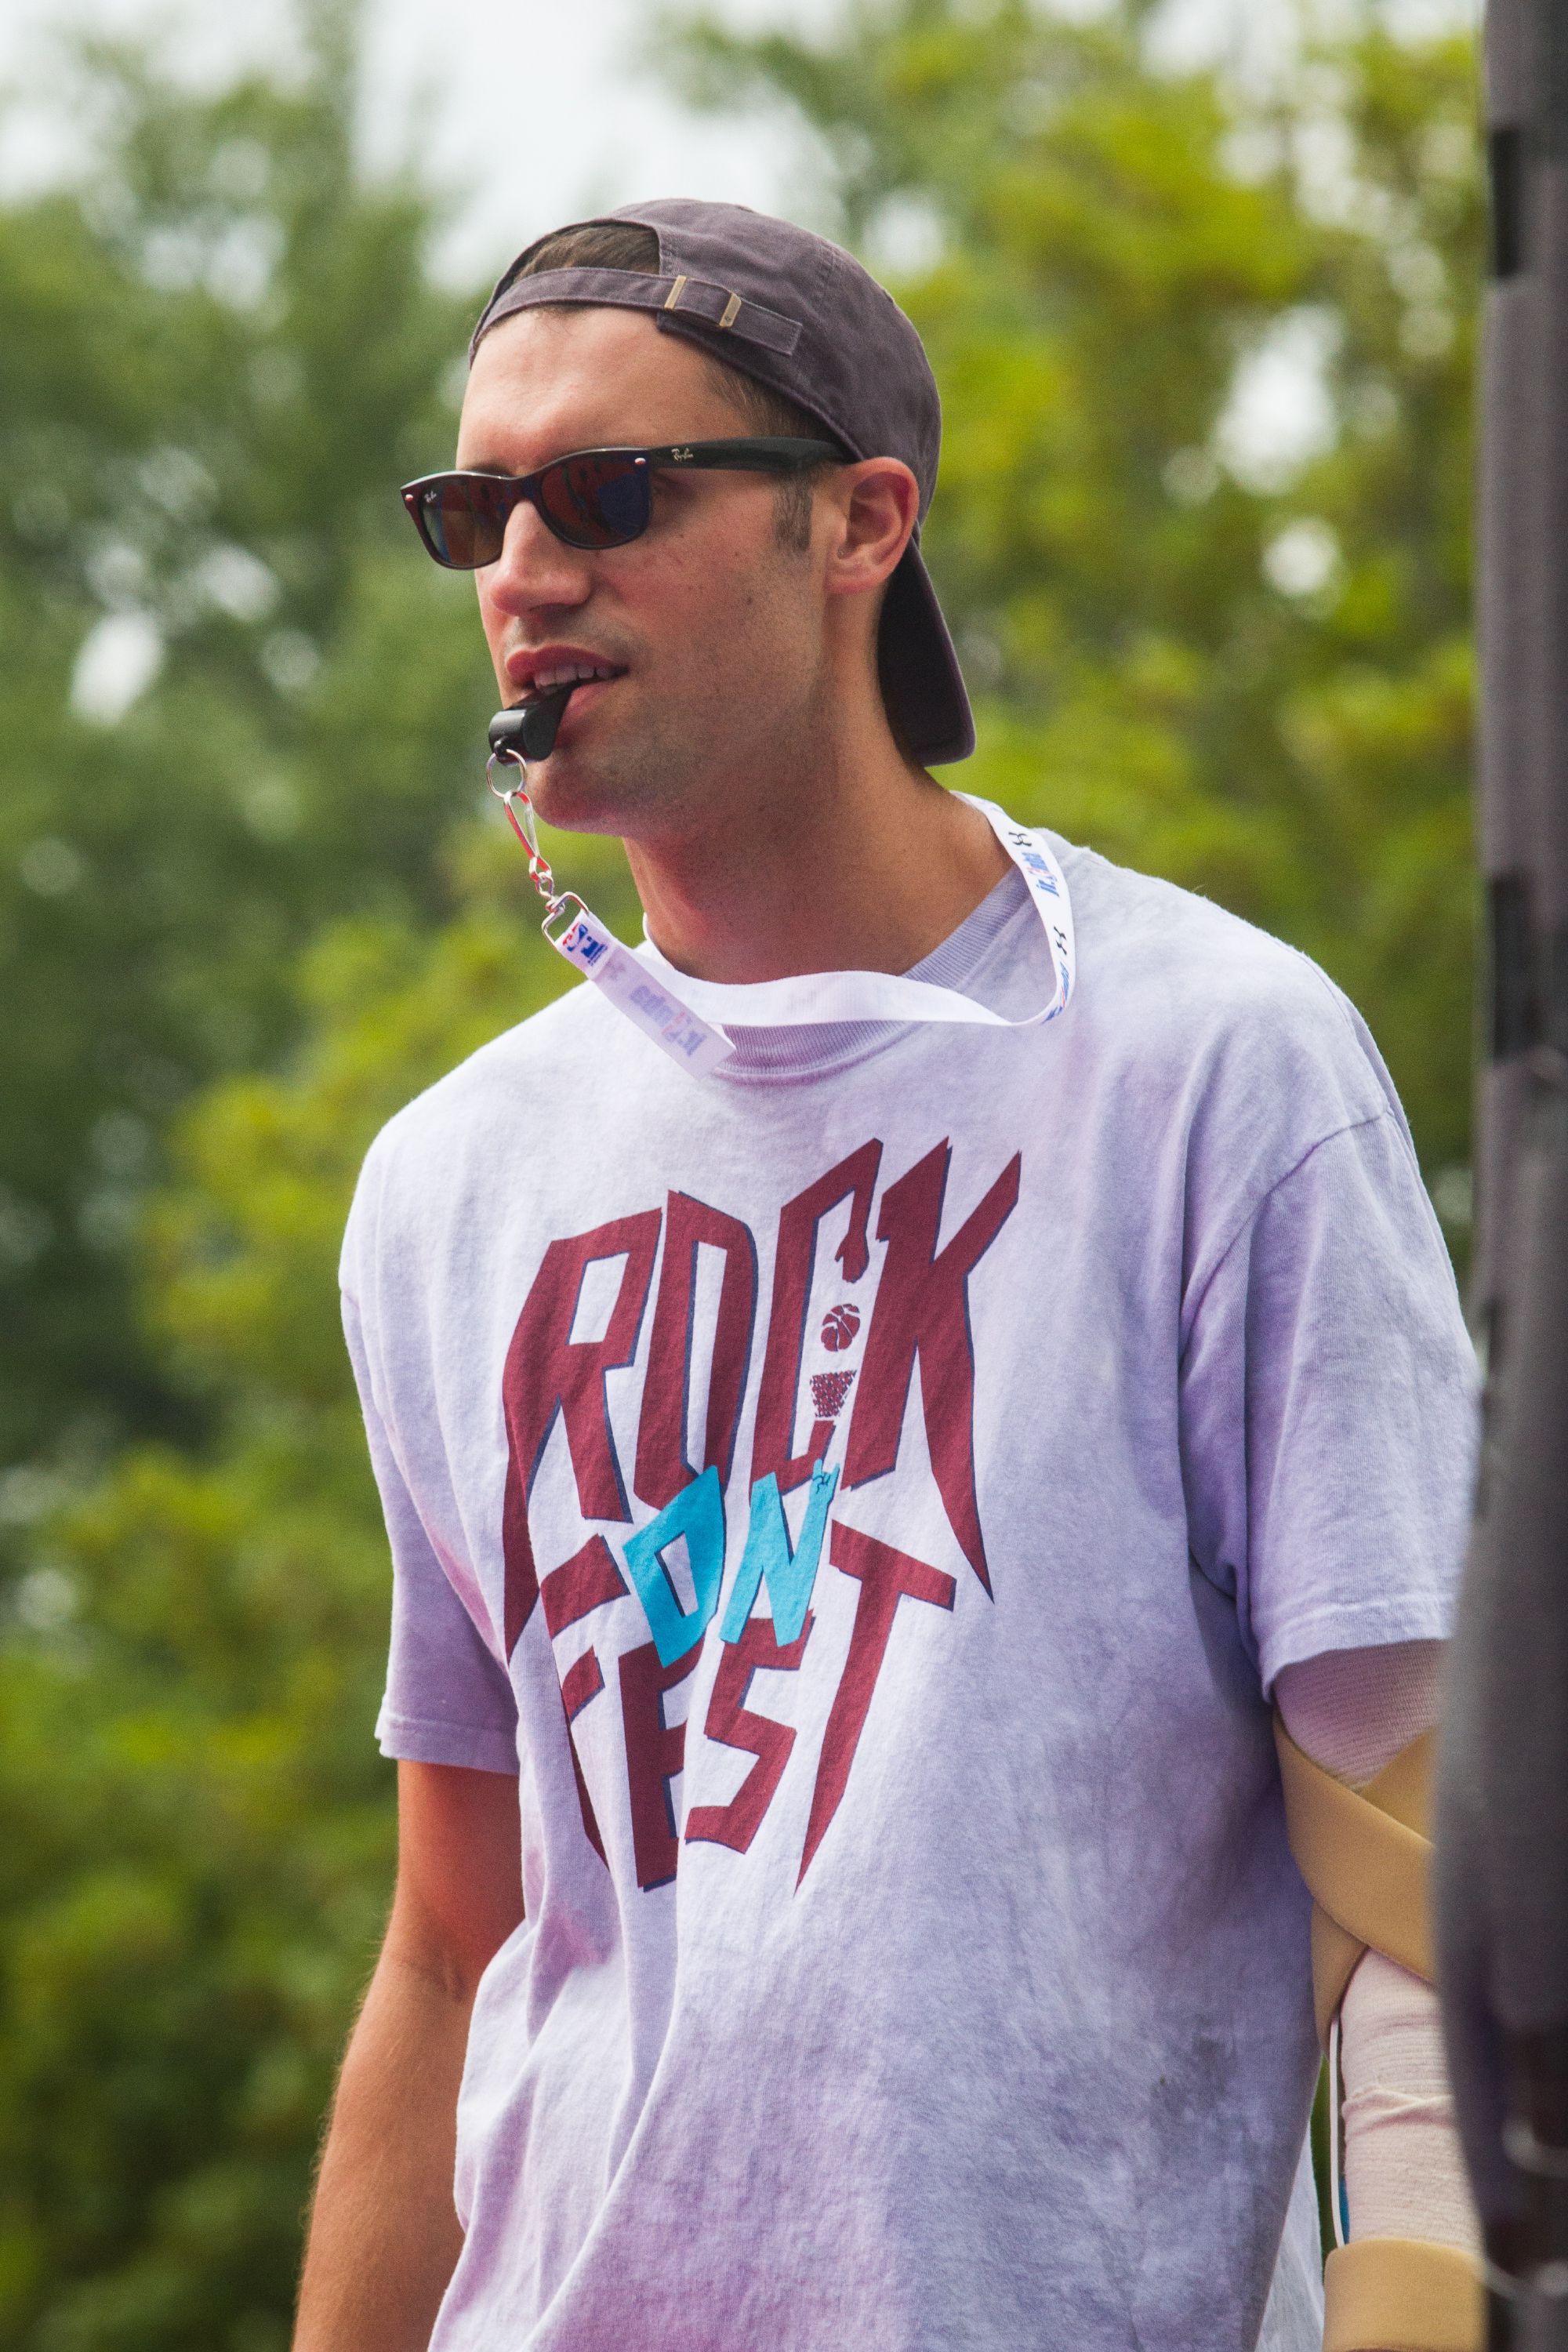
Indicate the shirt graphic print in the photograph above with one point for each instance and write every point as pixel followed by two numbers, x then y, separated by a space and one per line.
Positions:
pixel 856 1362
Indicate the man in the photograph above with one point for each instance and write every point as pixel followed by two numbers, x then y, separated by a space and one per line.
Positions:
pixel 852 1504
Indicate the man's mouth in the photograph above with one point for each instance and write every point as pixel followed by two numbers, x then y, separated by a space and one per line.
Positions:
pixel 550 672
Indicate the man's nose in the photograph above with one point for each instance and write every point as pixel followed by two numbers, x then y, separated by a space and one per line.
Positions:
pixel 536 568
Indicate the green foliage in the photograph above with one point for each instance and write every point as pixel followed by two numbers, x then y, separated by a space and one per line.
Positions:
pixel 244 923
pixel 223 352
pixel 199 1835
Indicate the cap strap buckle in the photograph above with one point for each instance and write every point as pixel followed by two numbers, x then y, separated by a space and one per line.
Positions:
pixel 719 307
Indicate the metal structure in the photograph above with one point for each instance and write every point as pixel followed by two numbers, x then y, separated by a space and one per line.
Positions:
pixel 1502 1812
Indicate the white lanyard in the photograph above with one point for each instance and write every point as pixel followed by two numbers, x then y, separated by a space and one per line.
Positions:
pixel 686 1018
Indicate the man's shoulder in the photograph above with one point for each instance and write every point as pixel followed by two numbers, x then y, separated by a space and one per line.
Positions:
pixel 496 1108
pixel 1195 999
pixel 1145 933
pixel 1178 956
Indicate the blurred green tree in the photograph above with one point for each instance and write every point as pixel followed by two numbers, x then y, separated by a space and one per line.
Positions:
pixel 198 1830
pixel 1240 662
pixel 221 347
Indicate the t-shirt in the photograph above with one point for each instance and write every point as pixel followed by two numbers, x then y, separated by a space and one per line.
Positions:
pixel 866 1494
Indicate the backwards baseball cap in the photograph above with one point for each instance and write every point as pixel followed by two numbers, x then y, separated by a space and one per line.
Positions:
pixel 804 318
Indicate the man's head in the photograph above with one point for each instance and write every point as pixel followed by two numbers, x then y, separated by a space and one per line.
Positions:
pixel 631 245
pixel 753 607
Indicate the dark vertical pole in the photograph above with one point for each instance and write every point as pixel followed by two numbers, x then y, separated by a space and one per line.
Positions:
pixel 1502 1827
pixel 1511 548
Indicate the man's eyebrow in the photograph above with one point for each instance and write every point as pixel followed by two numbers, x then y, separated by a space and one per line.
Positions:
pixel 487 465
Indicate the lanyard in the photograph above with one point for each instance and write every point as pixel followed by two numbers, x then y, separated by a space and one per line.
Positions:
pixel 686 1017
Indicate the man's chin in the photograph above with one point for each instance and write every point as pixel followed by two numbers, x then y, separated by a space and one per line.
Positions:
pixel 576 793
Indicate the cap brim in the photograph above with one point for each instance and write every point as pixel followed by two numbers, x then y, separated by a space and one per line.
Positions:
pixel 922 686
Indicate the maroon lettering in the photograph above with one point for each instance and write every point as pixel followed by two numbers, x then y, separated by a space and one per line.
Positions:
pixel 583 1680
pixel 922 1310
pixel 730 1721
pixel 855 1180
pixel 662 1468
pixel 887 1577
pixel 549 1373
pixel 585 1582
pixel 656 1751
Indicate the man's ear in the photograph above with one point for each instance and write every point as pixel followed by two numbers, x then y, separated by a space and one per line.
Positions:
pixel 875 504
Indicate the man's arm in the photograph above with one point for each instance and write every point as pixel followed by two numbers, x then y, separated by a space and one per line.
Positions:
pixel 383 2236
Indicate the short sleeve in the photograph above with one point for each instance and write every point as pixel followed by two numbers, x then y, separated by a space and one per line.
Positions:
pixel 448 1700
pixel 1328 1409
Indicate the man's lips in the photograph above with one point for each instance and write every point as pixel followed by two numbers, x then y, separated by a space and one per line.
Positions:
pixel 582 700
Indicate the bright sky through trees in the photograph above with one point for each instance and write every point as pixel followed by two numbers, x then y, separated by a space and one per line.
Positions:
pixel 580 120
pixel 590 124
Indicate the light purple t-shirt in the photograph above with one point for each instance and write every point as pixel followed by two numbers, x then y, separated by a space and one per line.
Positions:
pixel 866 1495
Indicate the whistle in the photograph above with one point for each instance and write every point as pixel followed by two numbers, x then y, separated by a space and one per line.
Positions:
pixel 527 731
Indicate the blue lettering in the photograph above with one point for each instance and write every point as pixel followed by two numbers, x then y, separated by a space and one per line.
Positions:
pixel 790 1575
pixel 697 1513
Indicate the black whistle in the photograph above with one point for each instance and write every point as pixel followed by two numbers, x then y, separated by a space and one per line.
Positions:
pixel 528 731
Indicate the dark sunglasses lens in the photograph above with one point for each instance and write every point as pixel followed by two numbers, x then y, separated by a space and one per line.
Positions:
pixel 594 501
pixel 463 522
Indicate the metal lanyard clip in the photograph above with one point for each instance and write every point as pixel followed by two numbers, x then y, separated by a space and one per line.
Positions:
pixel 539 867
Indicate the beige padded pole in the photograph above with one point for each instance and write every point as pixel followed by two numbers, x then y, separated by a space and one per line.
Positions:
pixel 1401 2294
pixel 1366 1858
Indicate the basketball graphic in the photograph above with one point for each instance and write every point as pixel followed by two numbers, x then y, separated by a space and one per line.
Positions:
pixel 840 1326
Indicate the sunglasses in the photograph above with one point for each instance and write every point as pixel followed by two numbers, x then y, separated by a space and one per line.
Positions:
pixel 600 497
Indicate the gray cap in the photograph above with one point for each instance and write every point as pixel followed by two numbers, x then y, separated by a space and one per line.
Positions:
pixel 802 316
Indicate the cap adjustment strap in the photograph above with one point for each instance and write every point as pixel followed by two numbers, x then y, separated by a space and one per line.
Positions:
pixel 698 298
pixel 631 289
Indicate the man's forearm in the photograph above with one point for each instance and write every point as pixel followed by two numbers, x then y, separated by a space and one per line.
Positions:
pixel 383 2236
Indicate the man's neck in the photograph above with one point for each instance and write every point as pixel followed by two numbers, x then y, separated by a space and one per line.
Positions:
pixel 864 864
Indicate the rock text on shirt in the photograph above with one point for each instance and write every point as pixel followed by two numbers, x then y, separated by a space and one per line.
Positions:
pixel 919 1316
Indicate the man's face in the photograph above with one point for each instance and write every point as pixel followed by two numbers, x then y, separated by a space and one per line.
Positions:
pixel 712 632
